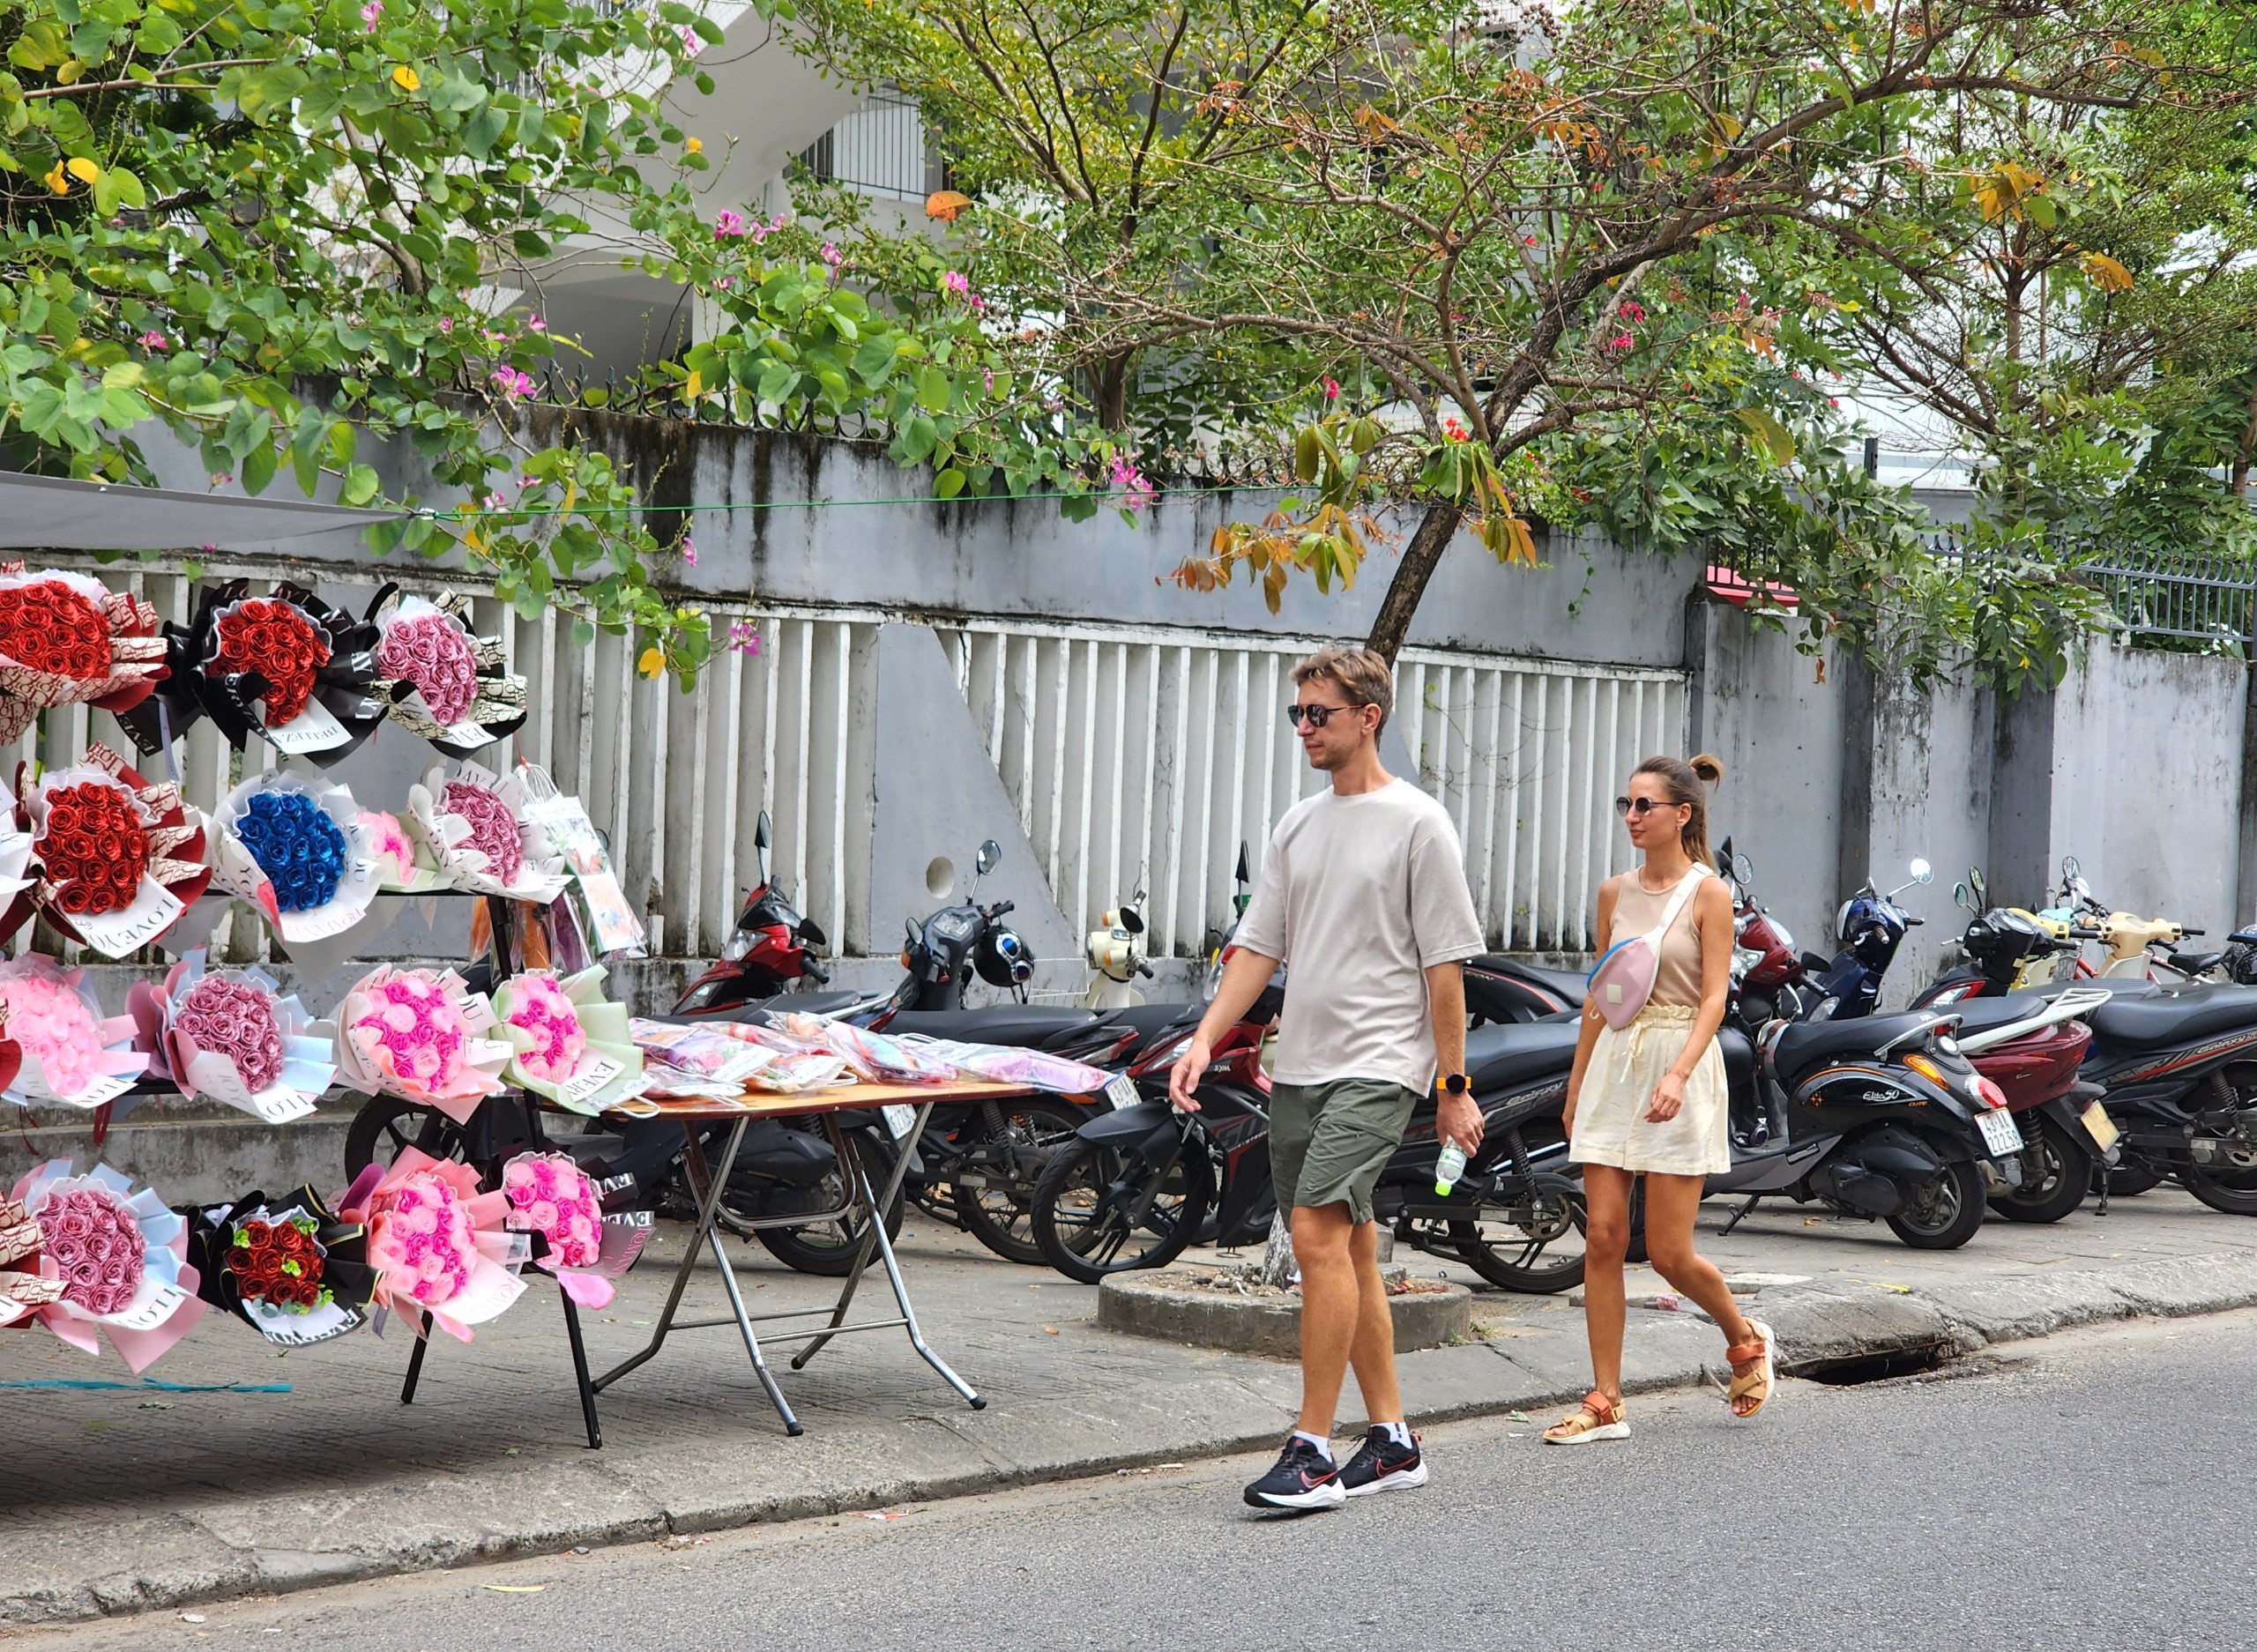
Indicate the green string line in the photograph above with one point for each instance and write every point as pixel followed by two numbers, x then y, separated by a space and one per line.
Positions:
pixel 152 1384
pixel 436 515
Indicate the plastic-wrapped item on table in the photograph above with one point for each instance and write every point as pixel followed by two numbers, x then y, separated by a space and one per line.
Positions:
pixel 1004 1064
pixel 700 1051
pixel 885 1059
pixel 794 1072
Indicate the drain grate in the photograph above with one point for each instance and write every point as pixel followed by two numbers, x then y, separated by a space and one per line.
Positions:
pixel 1900 1362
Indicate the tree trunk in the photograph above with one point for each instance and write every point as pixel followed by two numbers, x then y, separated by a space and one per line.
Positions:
pixel 1420 558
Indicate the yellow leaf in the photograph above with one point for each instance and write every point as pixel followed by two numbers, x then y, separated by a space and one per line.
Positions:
pixel 83 170
pixel 696 386
pixel 2105 272
pixel 406 78
pixel 68 73
pixel 653 663
pixel 56 181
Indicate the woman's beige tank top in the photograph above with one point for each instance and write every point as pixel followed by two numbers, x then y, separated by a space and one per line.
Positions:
pixel 1677 976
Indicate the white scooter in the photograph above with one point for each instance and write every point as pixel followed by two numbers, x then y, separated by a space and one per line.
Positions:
pixel 1115 952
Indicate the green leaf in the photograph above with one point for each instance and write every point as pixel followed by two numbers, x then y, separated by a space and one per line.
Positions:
pixel 934 391
pixel 359 487
pixel 1772 436
pixel 259 468
pixel 948 484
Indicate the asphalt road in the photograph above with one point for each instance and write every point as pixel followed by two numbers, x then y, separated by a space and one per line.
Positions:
pixel 2089 1491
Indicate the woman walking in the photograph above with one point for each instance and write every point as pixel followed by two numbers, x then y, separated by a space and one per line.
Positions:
pixel 1647 1095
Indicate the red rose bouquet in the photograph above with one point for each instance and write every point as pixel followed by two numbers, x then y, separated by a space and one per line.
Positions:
pixel 289 1267
pixel 299 674
pixel 69 640
pixel 116 860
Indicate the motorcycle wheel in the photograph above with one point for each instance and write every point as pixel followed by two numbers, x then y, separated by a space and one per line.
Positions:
pixel 2056 1170
pixel 1530 1244
pixel 386 1124
pixel 1945 1211
pixel 999 1213
pixel 1079 1219
pixel 827 1247
pixel 2230 1187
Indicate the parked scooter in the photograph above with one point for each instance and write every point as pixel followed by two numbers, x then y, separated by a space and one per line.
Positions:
pixel 1884 1117
pixel 771 951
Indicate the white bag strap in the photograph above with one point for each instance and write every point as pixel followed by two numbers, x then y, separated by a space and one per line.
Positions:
pixel 1685 885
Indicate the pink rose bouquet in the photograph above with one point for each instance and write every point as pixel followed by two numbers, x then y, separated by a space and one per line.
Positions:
pixel 479 828
pixel 552 1196
pixel 445 683
pixel 119 1258
pixel 436 1243
pixel 71 1052
pixel 570 1044
pixel 415 1034
pixel 230 1034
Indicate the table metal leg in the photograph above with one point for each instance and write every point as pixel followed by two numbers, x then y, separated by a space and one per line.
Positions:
pixel 580 1370
pixel 875 1205
pixel 857 1186
pixel 708 1214
pixel 792 1424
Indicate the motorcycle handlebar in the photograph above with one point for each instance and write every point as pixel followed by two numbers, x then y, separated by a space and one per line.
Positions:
pixel 816 973
pixel 1000 908
pixel 2186 930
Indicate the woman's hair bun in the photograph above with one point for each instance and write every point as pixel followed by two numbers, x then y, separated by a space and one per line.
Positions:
pixel 1709 768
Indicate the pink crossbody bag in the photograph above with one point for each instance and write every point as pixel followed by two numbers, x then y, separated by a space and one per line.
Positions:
pixel 1623 978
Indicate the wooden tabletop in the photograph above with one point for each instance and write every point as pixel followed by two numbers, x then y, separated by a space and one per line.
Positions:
pixel 840 1098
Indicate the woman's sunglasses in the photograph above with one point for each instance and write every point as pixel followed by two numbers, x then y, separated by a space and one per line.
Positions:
pixel 1640 807
pixel 1314 716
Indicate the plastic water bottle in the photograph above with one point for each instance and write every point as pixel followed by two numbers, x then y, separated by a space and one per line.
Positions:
pixel 1448 1169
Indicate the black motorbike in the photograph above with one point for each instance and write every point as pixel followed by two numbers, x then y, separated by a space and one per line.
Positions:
pixel 2179 1066
pixel 1132 1190
pixel 1878 1116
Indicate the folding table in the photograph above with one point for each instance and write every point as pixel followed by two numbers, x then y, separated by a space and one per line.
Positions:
pixel 710 1178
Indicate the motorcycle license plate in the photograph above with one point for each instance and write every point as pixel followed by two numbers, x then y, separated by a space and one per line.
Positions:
pixel 2102 1128
pixel 899 1118
pixel 2000 1134
pixel 1121 1092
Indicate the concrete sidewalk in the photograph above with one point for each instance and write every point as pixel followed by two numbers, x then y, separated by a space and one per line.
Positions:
pixel 123 1499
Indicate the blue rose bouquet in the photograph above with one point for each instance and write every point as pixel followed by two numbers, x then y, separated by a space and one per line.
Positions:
pixel 294 845
pixel 299 848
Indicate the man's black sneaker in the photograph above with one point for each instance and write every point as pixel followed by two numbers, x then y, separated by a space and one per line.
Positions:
pixel 1304 1478
pixel 1381 1465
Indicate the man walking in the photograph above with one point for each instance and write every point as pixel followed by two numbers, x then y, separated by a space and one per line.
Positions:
pixel 1362 894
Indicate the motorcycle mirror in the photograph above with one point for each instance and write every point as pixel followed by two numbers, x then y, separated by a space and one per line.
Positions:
pixel 1982 890
pixel 1922 871
pixel 1242 875
pixel 1960 897
pixel 1743 870
pixel 1130 921
pixel 991 856
pixel 1724 856
pixel 2070 867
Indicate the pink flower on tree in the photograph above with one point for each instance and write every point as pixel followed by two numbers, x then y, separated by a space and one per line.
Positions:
pixel 1332 390
pixel 689 550
pixel 1632 310
pixel 832 256
pixel 728 223
pixel 1136 490
pixel 371 14
pixel 152 340
pixel 744 637
pixel 536 324
pixel 512 382
pixel 957 282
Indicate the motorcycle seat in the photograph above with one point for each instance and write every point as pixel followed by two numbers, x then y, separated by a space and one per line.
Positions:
pixel 1149 1019
pixel 1503 1057
pixel 1564 985
pixel 1980 1015
pixel 1809 1044
pixel 2197 962
pixel 2152 1020
pixel 1026 1025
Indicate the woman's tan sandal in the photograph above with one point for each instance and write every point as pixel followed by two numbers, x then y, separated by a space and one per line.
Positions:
pixel 1597 1418
pixel 1754 1364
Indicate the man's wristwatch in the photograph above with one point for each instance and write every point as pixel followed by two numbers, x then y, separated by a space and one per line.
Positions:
pixel 1454 1084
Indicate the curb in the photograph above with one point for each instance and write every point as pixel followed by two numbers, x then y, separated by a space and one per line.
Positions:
pixel 1818 1327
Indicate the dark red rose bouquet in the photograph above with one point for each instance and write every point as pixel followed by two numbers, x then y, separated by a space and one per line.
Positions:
pixel 66 639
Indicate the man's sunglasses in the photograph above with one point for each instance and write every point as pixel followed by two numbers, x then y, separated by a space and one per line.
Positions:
pixel 1640 807
pixel 1315 716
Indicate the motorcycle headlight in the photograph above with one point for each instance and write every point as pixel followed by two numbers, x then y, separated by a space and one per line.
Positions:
pixel 1744 959
pixel 740 942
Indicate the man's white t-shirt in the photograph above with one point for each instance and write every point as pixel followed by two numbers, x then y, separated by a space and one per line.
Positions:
pixel 1360 895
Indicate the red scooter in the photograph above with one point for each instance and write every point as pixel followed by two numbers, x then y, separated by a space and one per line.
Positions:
pixel 771 950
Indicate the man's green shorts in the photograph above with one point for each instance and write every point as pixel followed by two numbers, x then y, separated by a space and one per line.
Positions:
pixel 1329 1143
